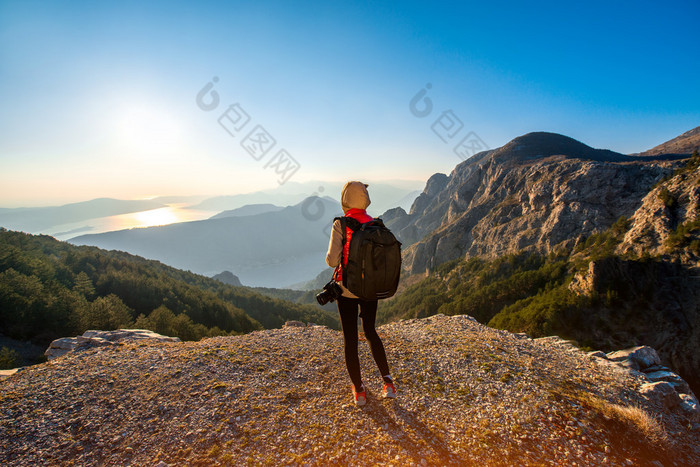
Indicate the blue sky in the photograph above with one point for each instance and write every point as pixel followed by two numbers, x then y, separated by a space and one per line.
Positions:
pixel 99 98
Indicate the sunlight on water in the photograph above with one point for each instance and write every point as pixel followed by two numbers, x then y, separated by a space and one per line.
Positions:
pixel 169 214
pixel 162 216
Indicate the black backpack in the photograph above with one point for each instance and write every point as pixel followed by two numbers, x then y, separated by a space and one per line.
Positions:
pixel 374 259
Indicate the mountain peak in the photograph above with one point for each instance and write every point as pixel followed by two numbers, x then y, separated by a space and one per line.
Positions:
pixel 227 277
pixel 542 144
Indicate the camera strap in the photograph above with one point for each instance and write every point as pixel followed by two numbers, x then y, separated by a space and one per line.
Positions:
pixel 335 273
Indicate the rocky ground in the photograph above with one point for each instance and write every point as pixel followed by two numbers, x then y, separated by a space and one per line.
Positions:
pixel 467 395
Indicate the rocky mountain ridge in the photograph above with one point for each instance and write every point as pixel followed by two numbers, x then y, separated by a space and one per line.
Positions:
pixel 467 395
pixel 541 191
pixel 683 144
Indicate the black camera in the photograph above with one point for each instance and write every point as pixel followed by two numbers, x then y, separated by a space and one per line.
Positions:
pixel 331 292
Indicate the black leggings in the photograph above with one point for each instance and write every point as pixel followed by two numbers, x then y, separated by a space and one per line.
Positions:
pixel 347 307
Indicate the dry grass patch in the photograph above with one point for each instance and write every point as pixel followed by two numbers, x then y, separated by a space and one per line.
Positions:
pixel 635 417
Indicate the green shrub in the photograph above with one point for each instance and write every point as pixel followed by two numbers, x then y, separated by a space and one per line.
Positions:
pixel 9 358
pixel 620 227
pixel 666 197
pixel 681 236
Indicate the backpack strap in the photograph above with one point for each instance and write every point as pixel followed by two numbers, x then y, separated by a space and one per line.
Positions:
pixel 353 223
pixel 346 222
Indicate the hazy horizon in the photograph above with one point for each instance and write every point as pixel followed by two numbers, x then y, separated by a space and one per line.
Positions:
pixel 100 215
pixel 137 100
pixel 58 202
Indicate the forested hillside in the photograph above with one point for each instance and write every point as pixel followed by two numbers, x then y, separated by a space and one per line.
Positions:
pixel 51 289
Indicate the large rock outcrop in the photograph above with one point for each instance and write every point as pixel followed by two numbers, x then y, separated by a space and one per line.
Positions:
pixel 664 387
pixel 91 339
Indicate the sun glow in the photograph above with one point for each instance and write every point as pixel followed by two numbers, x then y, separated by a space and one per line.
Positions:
pixel 143 129
pixel 160 216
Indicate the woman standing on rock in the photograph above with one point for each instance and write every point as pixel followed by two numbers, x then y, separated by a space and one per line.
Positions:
pixel 354 199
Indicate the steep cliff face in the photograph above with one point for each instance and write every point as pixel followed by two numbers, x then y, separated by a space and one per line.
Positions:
pixel 541 191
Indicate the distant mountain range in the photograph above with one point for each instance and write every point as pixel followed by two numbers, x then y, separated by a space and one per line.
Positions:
pixel 106 214
pixel 474 211
pixel 248 210
pixel 272 249
pixel 385 195
pixel 35 220
pixel 95 216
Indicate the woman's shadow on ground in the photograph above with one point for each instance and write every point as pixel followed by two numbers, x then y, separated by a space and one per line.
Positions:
pixel 411 434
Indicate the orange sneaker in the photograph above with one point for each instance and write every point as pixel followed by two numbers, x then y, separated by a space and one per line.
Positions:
pixel 360 398
pixel 388 391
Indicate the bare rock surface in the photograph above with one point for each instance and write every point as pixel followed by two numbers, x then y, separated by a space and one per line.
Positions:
pixel 639 357
pixel 467 395
pixel 663 392
pixel 665 386
pixel 5 373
